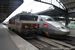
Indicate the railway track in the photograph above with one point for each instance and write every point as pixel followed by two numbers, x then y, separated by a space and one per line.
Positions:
pixel 69 40
pixel 43 43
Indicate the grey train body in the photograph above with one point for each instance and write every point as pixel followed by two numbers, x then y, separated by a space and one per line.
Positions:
pixel 51 27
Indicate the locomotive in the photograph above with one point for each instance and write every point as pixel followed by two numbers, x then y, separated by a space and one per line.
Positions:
pixel 24 23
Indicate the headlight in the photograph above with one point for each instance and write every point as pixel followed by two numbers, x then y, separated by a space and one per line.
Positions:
pixel 26 27
pixel 36 26
pixel 61 27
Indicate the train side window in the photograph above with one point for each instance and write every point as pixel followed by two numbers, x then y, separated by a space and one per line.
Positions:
pixel 14 21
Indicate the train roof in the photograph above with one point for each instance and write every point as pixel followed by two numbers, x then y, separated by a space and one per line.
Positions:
pixel 25 13
pixel 46 16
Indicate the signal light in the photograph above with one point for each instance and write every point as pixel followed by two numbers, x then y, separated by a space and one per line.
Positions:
pixel 45 25
pixel 26 27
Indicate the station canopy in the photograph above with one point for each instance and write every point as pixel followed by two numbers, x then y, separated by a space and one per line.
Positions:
pixel 61 7
pixel 65 6
pixel 70 5
pixel 7 7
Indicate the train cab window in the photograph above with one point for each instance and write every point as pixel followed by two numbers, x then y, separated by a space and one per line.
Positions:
pixel 28 17
pixel 49 19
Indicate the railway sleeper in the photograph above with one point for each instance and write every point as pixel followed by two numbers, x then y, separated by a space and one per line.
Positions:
pixel 59 44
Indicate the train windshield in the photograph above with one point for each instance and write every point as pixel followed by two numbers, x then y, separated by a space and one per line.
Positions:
pixel 28 17
pixel 49 19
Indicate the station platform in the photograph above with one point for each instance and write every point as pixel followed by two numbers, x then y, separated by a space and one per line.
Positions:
pixel 11 41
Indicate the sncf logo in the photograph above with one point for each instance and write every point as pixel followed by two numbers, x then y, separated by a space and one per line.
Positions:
pixel 45 25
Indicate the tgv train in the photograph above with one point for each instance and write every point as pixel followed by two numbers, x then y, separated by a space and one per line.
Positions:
pixel 25 24
pixel 51 27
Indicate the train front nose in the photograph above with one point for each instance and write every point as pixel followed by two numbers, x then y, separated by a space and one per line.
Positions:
pixel 61 30
pixel 65 31
pixel 58 29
